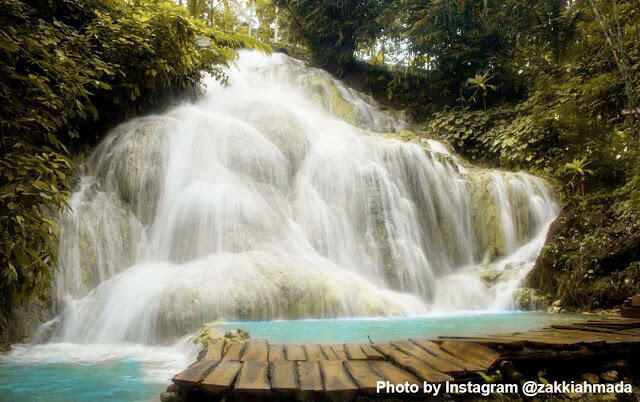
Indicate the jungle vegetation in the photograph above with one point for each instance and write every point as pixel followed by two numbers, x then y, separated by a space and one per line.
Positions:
pixel 70 69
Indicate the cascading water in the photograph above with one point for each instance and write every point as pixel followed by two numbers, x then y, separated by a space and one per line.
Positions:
pixel 273 198
pixel 284 195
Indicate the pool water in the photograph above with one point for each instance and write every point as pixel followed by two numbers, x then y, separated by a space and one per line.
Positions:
pixel 112 381
pixel 68 372
pixel 83 372
pixel 383 329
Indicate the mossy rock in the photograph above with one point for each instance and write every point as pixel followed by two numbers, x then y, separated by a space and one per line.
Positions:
pixel 531 299
pixel 492 277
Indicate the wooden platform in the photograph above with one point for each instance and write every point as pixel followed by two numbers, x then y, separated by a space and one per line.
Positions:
pixel 256 368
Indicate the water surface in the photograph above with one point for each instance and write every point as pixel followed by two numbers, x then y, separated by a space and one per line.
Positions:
pixel 112 381
pixel 116 372
pixel 383 329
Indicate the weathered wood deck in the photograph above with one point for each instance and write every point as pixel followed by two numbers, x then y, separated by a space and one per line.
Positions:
pixel 257 368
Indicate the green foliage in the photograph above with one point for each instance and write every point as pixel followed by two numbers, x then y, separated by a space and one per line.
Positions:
pixel 480 83
pixel 572 110
pixel 273 27
pixel 627 204
pixel 69 68
pixel 507 136
pixel 591 261
pixel 570 127
pixel 578 167
pixel 334 29
pixel 458 39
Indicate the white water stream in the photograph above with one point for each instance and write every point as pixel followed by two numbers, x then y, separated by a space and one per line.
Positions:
pixel 276 198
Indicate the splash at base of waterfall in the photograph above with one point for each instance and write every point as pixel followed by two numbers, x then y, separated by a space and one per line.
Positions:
pixel 283 196
pixel 81 372
pixel 129 372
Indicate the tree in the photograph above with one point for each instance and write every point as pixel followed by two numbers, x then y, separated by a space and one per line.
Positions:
pixel 556 23
pixel 196 8
pixel 609 21
pixel 460 38
pixel 334 29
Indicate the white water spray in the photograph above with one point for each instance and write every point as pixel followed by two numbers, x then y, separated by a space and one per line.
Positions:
pixel 274 198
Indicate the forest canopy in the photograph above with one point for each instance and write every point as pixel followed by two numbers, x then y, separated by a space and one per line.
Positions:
pixel 529 84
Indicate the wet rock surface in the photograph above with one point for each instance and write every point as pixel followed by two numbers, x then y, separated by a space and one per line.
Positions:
pixel 531 299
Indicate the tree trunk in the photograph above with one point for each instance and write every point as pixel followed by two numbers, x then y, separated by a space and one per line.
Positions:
pixel 251 16
pixel 485 13
pixel 276 36
pixel 614 39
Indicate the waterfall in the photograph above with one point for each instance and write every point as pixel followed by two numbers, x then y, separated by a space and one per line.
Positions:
pixel 284 195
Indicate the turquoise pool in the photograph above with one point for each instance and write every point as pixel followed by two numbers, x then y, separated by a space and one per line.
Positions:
pixel 381 329
pixel 112 381
pixel 68 372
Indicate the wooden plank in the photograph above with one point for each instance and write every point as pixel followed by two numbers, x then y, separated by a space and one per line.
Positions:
pixel 310 380
pixel 588 337
pixel 630 312
pixel 371 353
pixel 435 350
pixel 328 351
pixel 253 378
pixel 221 378
pixel 547 340
pixel 337 372
pixel 234 351
pixel 614 319
pixel 192 375
pixel 619 336
pixel 354 352
pixel 412 364
pixel 633 332
pixel 562 339
pixel 535 355
pixel 340 352
pixel 255 350
pixel 283 376
pixel 437 363
pixel 613 325
pixel 276 353
pixel 363 375
pixel 480 355
pixel 337 383
pixel 214 350
pixel 314 353
pixel 587 329
pixel 309 375
pixel 615 322
pixel 294 352
pixel 510 341
pixel 387 371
